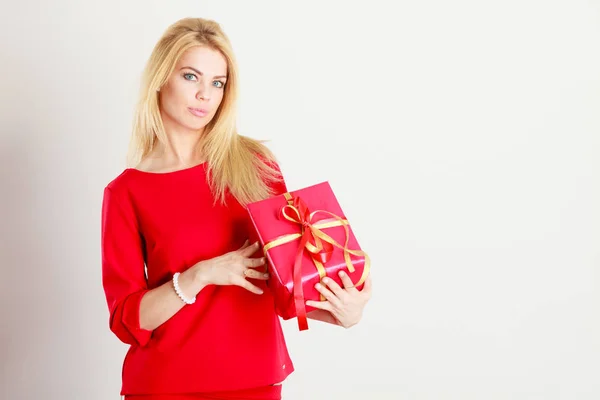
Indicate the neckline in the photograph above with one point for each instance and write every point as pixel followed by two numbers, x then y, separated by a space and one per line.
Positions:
pixel 168 172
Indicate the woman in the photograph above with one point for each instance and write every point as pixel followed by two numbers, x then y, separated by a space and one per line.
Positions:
pixel 184 286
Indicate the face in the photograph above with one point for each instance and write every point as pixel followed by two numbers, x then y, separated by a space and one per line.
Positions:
pixel 195 89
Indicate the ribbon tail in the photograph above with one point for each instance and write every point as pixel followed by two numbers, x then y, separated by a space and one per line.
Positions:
pixel 298 291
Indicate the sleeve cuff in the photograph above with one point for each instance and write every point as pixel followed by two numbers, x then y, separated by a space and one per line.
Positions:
pixel 131 318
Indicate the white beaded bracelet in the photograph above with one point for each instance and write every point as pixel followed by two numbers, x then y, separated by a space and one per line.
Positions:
pixel 179 292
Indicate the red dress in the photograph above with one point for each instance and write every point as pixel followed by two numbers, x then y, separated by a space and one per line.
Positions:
pixel 229 343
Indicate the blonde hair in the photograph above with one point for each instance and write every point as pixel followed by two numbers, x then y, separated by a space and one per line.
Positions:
pixel 236 163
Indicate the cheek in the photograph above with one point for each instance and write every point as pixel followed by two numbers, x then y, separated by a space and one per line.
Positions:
pixel 173 107
pixel 217 100
pixel 175 101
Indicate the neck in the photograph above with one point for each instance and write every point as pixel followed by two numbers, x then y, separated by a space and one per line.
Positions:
pixel 182 146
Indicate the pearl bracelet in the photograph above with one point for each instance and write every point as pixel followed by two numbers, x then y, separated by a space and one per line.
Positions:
pixel 179 292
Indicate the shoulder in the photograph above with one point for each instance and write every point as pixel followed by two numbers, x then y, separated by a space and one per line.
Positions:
pixel 120 199
pixel 120 186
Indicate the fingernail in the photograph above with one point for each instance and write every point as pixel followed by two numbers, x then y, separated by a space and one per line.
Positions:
pixel 325 280
pixel 266 275
pixel 342 273
pixel 318 286
pixel 263 260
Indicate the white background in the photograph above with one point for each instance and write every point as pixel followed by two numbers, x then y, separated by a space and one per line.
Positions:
pixel 461 139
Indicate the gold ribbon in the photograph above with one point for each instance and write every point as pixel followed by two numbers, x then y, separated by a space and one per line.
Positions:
pixel 319 236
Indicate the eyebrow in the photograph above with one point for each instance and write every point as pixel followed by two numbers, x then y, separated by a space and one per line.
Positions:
pixel 201 74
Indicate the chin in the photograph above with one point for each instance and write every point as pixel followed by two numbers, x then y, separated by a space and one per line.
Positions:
pixel 199 123
pixel 195 127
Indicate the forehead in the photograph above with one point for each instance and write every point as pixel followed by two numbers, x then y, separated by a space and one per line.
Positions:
pixel 205 59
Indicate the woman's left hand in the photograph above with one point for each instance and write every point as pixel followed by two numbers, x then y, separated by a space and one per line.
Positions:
pixel 345 304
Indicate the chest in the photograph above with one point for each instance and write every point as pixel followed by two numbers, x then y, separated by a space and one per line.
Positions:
pixel 183 226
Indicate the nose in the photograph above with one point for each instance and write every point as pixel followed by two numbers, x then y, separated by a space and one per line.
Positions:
pixel 202 92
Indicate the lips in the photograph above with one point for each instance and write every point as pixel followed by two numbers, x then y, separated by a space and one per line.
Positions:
pixel 198 112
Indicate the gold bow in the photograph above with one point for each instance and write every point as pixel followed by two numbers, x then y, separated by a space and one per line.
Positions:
pixel 319 250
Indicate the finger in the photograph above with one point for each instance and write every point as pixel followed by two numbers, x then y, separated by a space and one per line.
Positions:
pixel 244 245
pixel 322 305
pixel 334 287
pixel 253 274
pixel 367 288
pixel 249 250
pixel 347 282
pixel 332 298
pixel 248 286
pixel 254 262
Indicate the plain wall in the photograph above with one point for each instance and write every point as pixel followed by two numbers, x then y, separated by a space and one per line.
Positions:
pixel 461 139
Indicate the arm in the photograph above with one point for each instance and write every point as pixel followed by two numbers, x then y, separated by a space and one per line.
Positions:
pixel 160 304
pixel 123 277
pixel 135 310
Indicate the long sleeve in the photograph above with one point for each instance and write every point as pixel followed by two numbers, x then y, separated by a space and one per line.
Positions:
pixel 123 275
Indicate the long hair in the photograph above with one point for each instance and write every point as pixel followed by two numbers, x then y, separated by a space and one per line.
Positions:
pixel 237 164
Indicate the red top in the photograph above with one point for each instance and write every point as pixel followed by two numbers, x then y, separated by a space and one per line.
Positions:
pixel 230 338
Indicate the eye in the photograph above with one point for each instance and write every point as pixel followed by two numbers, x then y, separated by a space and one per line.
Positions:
pixel 188 74
pixel 220 84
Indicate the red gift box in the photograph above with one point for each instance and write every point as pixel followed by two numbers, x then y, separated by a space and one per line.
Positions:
pixel 306 237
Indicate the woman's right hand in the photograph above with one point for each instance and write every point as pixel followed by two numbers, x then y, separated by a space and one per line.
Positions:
pixel 233 268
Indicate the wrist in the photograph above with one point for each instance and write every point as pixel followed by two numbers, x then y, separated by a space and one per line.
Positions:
pixel 180 292
pixel 201 275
